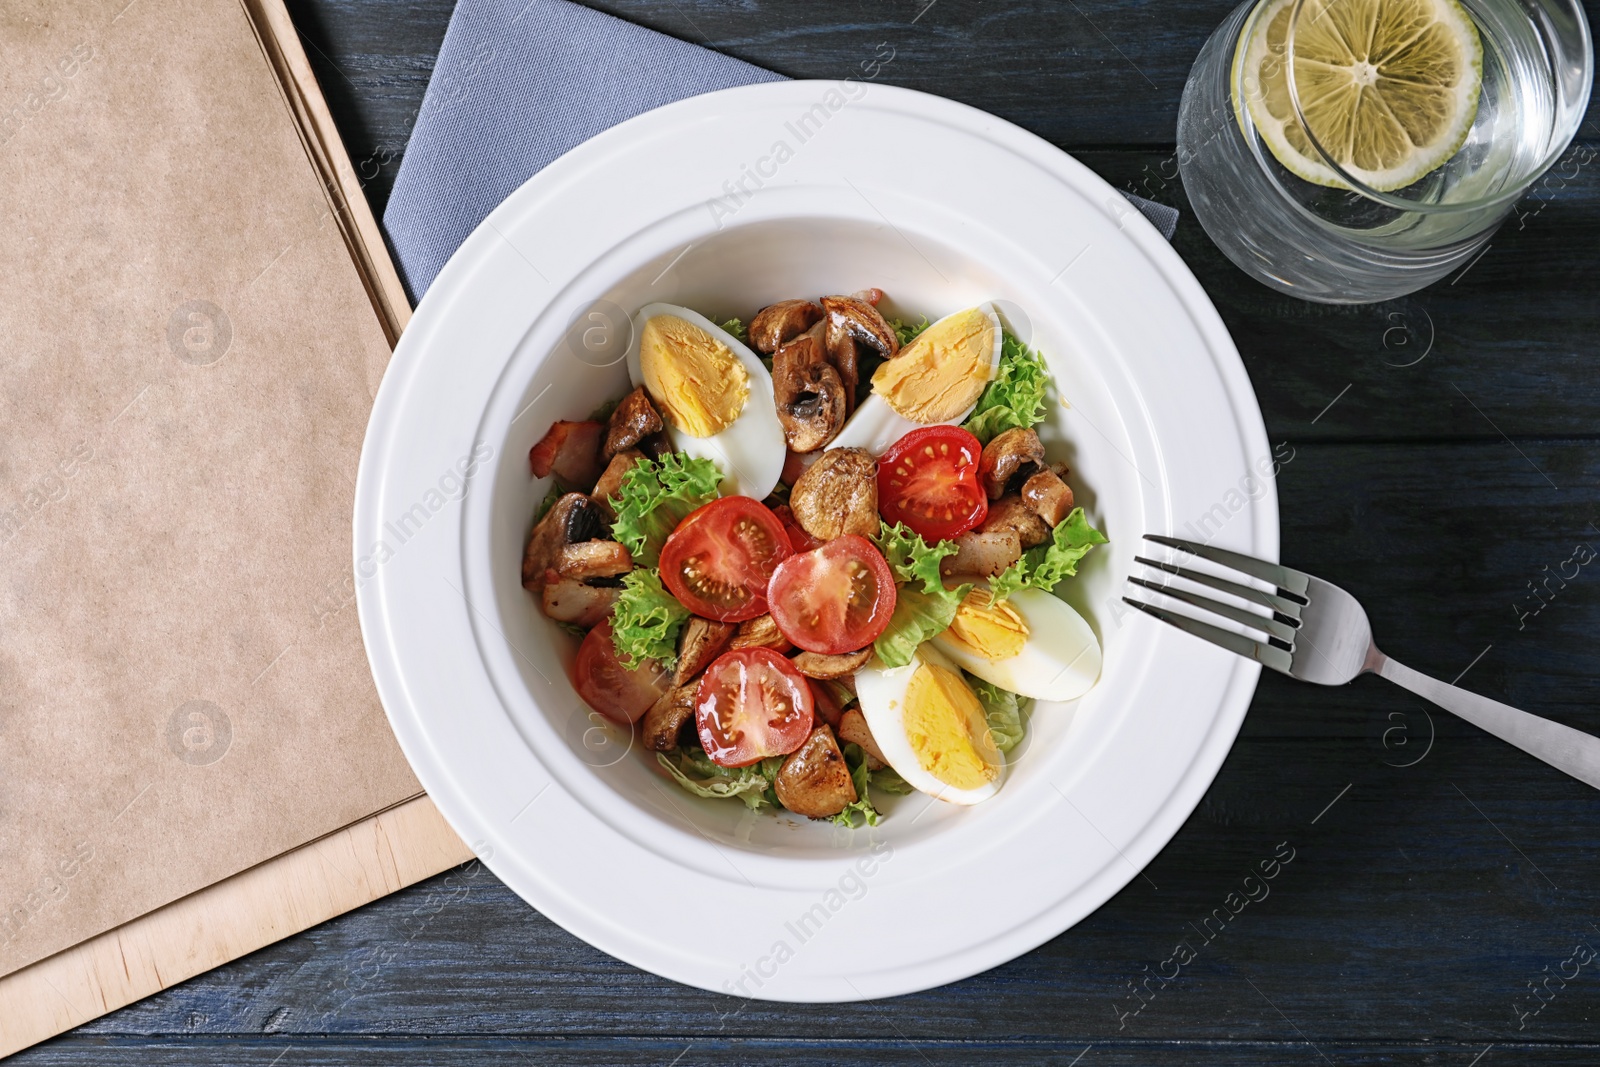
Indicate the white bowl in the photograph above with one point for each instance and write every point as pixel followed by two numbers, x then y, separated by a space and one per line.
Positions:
pixel 1151 408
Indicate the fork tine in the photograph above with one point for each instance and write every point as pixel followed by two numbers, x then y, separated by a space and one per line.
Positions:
pixel 1282 631
pixel 1255 596
pixel 1286 579
pixel 1266 655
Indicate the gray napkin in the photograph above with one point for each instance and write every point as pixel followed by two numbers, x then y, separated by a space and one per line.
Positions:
pixel 520 82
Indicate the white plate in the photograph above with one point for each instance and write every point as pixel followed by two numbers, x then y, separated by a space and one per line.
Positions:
pixel 724 203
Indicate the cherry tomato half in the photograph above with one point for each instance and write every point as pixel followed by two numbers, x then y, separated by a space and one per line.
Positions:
pixel 929 480
pixel 622 694
pixel 833 599
pixel 720 558
pixel 752 704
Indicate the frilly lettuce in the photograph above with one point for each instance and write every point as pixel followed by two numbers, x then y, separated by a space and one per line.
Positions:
pixel 1015 396
pixel 692 769
pixel 1043 566
pixel 646 621
pixel 655 496
pixel 923 606
pixel 1003 709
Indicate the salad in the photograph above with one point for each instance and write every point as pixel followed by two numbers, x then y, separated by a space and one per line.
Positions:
pixel 814 557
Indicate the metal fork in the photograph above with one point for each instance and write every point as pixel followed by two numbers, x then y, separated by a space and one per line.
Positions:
pixel 1319 633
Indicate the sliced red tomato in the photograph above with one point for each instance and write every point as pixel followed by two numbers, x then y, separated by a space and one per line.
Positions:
pixel 752 704
pixel 720 558
pixel 798 538
pixel 929 480
pixel 833 599
pixel 620 693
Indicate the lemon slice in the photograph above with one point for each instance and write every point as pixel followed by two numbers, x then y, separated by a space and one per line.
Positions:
pixel 1389 87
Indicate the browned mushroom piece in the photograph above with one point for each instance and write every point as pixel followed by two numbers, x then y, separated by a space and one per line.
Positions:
pixel 849 316
pixel 810 397
pixel 852 322
pixel 665 719
pixel 815 780
pixel 853 730
pixel 760 632
pixel 1048 495
pixel 985 554
pixel 572 519
pixel 1010 513
pixel 634 420
pixel 569 600
pixel 1015 452
pixel 822 666
pixel 777 324
pixel 702 641
pixel 610 483
pixel 837 495
pixel 593 559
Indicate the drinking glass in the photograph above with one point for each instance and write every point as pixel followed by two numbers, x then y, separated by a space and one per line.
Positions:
pixel 1357 244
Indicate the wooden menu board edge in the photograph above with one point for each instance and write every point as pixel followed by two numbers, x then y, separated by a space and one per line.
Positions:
pixel 234 917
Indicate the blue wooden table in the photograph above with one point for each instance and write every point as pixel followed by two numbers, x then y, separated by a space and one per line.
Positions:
pixel 1436 905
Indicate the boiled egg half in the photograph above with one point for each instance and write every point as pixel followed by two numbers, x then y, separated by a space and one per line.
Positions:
pixel 931 727
pixel 1031 643
pixel 713 393
pixel 935 379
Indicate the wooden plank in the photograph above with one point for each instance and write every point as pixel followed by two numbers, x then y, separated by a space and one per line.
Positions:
pixel 222 922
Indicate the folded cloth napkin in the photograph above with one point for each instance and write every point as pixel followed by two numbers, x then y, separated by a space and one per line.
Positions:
pixel 520 82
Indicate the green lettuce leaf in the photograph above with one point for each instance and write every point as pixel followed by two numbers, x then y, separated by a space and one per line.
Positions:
pixel 646 621
pixel 907 334
pixel 1044 566
pixel 1015 397
pixel 692 769
pixel 655 496
pixel 1004 710
pixel 735 327
pixel 923 606
pixel 856 759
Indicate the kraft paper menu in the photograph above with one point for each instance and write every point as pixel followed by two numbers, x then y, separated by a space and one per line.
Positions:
pixel 190 359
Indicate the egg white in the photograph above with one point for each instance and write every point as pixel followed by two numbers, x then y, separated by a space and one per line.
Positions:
pixel 751 449
pixel 1060 660
pixel 882 693
pixel 875 425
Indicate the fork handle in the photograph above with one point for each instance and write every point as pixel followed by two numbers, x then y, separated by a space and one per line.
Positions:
pixel 1564 748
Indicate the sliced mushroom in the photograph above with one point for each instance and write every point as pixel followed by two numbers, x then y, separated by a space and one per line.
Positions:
pixel 610 483
pixel 822 666
pixel 634 420
pixel 702 641
pixel 1015 452
pixel 838 494
pixel 572 519
pixel 593 559
pixel 571 452
pixel 815 780
pixel 985 554
pixel 568 600
pixel 664 721
pixel 810 396
pixel 760 632
pixel 871 296
pixel 852 322
pixel 777 324
pixel 849 316
pixel 853 730
pixel 1010 513
pixel 1048 495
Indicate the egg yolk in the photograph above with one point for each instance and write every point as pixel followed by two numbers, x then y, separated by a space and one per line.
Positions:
pixel 696 380
pixel 993 631
pixel 942 372
pixel 947 730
